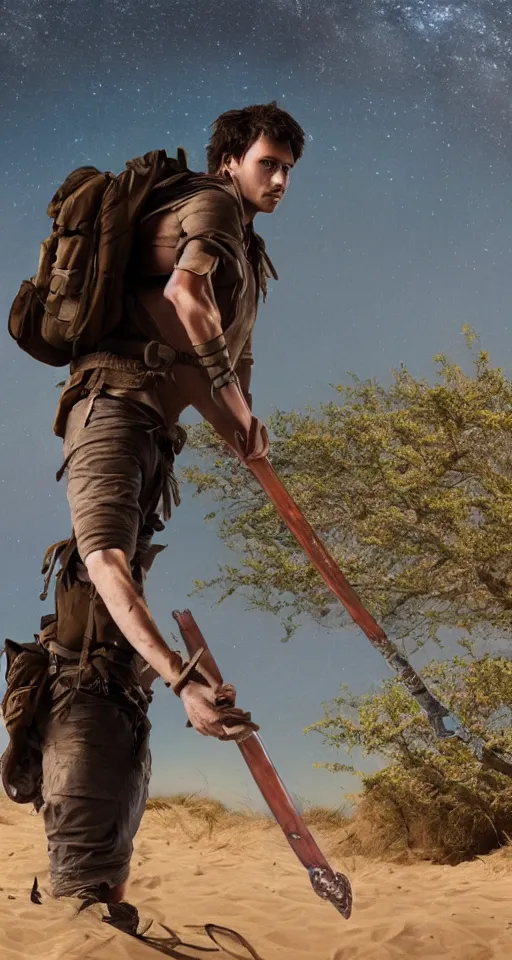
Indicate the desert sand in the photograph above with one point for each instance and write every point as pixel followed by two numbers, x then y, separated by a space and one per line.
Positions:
pixel 238 872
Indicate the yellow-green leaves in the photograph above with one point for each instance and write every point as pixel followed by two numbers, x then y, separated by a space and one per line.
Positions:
pixel 409 485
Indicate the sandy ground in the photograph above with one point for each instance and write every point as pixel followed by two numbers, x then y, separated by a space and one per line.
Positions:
pixel 189 872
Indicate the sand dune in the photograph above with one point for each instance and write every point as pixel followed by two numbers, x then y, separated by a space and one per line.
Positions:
pixel 239 873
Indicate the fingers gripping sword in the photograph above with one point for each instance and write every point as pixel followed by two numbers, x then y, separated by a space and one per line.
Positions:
pixel 443 722
pixel 328 884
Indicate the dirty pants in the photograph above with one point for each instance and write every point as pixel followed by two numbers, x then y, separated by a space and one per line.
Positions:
pixel 96 770
pixel 95 767
pixel 96 760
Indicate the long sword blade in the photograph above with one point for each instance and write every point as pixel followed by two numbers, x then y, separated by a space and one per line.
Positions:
pixel 327 883
pixel 444 723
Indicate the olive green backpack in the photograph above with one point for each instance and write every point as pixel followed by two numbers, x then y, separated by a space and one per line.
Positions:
pixel 76 297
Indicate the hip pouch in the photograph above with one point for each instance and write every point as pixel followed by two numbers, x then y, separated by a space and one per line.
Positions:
pixel 23 703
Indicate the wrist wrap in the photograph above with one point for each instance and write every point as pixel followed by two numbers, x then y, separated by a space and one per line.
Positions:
pixel 188 673
pixel 214 357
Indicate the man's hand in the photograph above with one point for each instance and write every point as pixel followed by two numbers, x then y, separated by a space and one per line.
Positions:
pixel 213 714
pixel 253 445
pixel 251 440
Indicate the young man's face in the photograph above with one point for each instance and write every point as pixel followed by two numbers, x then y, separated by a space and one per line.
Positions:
pixel 262 174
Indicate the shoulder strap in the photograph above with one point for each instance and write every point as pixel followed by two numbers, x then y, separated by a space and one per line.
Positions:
pixel 168 193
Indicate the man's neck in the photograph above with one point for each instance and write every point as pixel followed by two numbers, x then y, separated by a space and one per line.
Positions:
pixel 249 214
pixel 249 211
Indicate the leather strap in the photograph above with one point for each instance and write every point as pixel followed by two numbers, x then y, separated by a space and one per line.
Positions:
pixel 186 674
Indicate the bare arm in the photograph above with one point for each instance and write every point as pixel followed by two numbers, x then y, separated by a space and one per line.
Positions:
pixel 193 299
pixel 211 230
pixel 190 291
pixel 192 296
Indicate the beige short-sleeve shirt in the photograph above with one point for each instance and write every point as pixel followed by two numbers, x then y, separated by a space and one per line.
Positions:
pixel 198 226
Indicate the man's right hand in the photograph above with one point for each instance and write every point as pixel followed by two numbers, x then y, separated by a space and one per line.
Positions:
pixel 250 433
pixel 213 715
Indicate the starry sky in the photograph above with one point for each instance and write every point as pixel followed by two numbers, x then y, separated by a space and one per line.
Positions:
pixel 395 232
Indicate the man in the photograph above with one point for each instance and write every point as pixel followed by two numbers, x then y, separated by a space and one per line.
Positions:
pixel 192 291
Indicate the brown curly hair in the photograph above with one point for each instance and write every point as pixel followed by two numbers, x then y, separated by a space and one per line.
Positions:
pixel 235 131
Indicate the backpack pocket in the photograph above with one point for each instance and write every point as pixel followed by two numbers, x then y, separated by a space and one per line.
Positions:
pixel 65 288
pixel 26 321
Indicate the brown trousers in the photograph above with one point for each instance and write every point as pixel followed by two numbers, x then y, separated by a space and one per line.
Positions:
pixel 118 463
pixel 96 770
pixel 96 760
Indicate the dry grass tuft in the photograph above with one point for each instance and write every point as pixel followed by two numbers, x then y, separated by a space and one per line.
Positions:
pixel 199 817
pixel 327 819
pixel 377 830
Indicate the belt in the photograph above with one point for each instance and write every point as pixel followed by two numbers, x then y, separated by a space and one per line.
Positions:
pixel 154 355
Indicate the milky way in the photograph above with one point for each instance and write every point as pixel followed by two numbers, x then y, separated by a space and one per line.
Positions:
pixel 460 53
pixel 456 36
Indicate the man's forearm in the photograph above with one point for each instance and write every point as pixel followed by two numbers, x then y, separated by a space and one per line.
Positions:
pixel 195 306
pixel 127 607
pixel 194 301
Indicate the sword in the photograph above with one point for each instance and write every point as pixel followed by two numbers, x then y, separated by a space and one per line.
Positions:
pixel 444 723
pixel 327 883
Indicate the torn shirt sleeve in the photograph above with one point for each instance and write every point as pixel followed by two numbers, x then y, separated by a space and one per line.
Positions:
pixel 197 257
pixel 211 231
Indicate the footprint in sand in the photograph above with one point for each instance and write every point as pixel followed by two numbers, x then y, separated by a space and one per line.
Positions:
pixel 154 882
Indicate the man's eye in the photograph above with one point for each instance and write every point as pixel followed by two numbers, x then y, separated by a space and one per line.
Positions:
pixel 268 163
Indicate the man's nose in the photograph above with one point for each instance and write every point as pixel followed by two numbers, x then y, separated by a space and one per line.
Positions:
pixel 279 179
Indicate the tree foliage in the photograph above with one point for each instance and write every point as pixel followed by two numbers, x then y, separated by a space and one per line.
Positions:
pixel 431 797
pixel 410 487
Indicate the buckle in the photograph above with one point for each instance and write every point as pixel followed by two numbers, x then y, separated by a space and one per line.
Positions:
pixel 158 356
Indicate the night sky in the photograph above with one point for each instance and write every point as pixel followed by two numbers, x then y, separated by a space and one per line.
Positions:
pixel 395 232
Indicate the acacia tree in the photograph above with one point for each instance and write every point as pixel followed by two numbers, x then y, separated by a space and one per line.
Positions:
pixel 410 487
